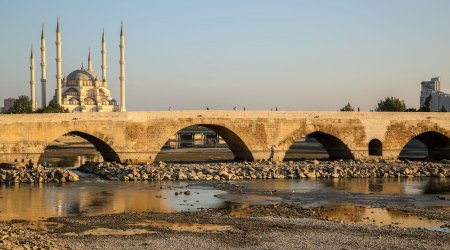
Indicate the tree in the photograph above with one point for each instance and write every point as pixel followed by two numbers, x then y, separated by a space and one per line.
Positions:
pixel 443 109
pixel 54 108
pixel 391 104
pixel 426 105
pixel 22 105
pixel 410 110
pixel 347 107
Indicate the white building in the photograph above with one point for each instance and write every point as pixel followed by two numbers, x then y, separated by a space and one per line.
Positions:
pixel 81 90
pixel 438 99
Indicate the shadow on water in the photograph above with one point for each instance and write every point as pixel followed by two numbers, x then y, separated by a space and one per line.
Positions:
pixel 438 186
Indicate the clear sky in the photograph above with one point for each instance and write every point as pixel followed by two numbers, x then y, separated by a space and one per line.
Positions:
pixel 296 55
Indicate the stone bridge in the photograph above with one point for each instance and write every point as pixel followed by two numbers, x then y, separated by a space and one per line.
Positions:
pixel 251 135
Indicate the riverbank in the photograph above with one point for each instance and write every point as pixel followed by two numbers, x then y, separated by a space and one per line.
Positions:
pixel 279 226
pixel 37 174
pixel 267 170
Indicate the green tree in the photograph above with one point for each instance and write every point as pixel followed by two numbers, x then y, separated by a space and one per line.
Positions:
pixel 22 105
pixel 426 105
pixel 391 104
pixel 347 107
pixel 443 109
pixel 53 108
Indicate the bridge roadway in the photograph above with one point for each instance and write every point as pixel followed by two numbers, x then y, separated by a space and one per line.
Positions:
pixel 251 135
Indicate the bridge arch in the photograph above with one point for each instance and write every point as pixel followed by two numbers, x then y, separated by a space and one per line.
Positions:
pixel 236 144
pixel 375 148
pixel 334 146
pixel 437 144
pixel 103 147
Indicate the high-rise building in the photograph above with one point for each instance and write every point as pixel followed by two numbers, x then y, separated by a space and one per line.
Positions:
pixel 438 99
pixel 8 103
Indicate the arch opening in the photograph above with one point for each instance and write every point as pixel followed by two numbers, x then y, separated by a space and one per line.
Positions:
pixel 204 143
pixel 318 145
pixel 74 148
pixel 375 148
pixel 429 145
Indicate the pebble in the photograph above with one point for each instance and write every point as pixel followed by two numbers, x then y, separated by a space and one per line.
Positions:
pixel 36 174
pixel 13 237
pixel 268 170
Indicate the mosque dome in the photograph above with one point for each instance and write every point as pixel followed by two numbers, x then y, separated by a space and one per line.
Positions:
pixel 82 74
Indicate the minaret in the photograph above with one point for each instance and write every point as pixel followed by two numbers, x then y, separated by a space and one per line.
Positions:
pixel 122 70
pixel 89 61
pixel 32 82
pixel 58 64
pixel 104 58
pixel 43 69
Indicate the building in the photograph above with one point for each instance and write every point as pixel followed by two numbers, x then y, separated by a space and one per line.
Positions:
pixel 438 99
pixel 8 103
pixel 195 136
pixel 82 90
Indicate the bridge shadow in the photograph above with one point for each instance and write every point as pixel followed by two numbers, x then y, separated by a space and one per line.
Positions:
pixel 73 148
pixel 204 143
pixel 429 145
pixel 318 145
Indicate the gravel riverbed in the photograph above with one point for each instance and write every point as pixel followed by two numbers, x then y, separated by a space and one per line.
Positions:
pixel 259 227
pixel 36 174
pixel 267 170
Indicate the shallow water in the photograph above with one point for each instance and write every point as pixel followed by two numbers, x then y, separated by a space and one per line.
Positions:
pixel 348 212
pixel 381 186
pixel 94 196
pixel 349 200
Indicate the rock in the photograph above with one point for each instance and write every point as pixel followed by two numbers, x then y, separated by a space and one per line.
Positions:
pixel 187 192
pixel 182 176
pixel 248 170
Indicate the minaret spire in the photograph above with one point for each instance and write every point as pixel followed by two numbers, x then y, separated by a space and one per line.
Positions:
pixel 104 57
pixel 89 61
pixel 32 82
pixel 122 70
pixel 58 65
pixel 43 69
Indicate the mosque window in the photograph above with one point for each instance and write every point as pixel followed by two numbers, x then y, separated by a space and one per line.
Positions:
pixel 89 101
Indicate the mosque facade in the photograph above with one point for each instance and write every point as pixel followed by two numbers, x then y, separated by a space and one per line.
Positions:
pixel 82 90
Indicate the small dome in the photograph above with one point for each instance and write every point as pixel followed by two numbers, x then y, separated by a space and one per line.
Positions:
pixel 82 74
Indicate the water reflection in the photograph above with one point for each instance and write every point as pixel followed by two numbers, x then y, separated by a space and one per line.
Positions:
pixel 71 159
pixel 378 216
pixel 387 186
pixel 91 197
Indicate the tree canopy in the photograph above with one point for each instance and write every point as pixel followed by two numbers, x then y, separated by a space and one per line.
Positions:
pixel 391 104
pixel 426 105
pixel 54 108
pixel 22 105
pixel 347 107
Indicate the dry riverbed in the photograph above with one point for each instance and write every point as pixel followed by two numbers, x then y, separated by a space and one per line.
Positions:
pixel 244 225
pixel 279 226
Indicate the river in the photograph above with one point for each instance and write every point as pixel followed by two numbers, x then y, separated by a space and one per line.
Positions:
pixel 364 197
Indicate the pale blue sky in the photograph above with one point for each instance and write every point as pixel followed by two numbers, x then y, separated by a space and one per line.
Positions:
pixel 297 55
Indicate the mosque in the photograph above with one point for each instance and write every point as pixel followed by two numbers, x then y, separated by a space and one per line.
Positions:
pixel 82 90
